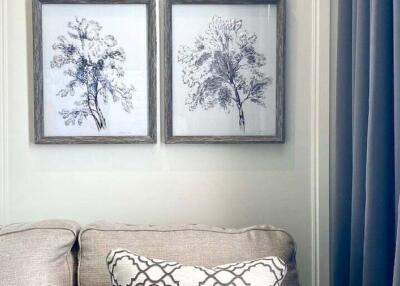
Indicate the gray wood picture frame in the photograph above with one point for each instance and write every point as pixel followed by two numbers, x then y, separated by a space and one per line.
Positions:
pixel 167 68
pixel 40 137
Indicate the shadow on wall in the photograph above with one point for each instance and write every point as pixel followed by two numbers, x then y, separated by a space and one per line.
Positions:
pixel 29 76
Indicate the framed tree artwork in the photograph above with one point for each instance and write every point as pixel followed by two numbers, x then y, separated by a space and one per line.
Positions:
pixel 224 71
pixel 95 71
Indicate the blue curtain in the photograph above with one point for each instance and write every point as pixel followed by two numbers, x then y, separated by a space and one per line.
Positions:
pixel 365 229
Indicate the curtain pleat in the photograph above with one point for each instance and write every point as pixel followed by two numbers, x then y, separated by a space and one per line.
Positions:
pixel 360 131
pixel 379 235
pixel 396 38
pixel 365 229
pixel 341 199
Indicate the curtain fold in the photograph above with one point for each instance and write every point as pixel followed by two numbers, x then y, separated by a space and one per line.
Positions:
pixel 341 198
pixel 360 131
pixel 365 229
pixel 396 33
pixel 379 228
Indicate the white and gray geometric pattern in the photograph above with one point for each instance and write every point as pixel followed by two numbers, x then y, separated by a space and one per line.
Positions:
pixel 128 269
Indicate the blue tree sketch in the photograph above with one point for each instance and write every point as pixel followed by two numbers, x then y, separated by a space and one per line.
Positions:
pixel 93 64
pixel 223 68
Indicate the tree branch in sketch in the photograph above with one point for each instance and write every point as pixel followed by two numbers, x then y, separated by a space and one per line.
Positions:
pixel 223 68
pixel 93 64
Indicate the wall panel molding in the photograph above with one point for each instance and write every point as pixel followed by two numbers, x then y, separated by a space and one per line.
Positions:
pixel 320 134
pixel 3 115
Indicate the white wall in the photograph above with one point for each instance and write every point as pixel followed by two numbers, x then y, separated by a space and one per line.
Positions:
pixel 157 184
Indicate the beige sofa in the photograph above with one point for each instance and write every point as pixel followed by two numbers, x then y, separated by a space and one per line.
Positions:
pixel 61 253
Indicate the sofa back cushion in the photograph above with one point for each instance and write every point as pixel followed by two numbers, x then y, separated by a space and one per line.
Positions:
pixel 38 254
pixel 189 245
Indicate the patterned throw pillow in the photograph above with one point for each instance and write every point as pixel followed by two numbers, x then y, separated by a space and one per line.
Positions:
pixel 128 269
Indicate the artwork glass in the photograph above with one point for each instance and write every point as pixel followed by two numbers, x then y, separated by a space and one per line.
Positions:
pixel 95 71
pixel 224 75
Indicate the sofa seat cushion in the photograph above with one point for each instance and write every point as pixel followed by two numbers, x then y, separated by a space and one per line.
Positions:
pixel 38 254
pixel 188 245
pixel 127 268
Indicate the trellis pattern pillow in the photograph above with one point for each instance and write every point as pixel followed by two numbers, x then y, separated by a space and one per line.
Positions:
pixel 128 269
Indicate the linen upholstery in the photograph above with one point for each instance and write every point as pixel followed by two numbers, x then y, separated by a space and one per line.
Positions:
pixel 38 254
pixel 189 245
